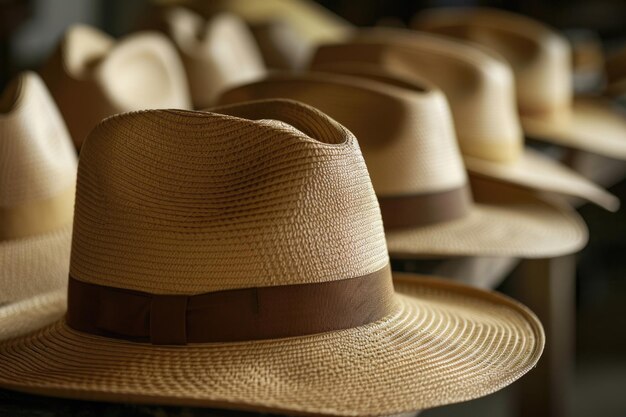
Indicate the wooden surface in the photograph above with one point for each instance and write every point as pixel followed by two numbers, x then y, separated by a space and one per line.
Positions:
pixel 547 286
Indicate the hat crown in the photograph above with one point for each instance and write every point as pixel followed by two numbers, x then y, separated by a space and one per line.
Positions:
pixel 106 77
pixel 405 130
pixel 178 202
pixel 217 53
pixel 479 86
pixel 36 154
pixel 539 56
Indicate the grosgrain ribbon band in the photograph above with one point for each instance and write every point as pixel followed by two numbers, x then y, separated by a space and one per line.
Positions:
pixel 424 209
pixel 37 217
pixel 232 315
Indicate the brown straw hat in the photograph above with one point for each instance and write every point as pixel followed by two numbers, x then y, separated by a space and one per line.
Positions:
pixel 615 68
pixel 541 60
pixel 481 92
pixel 92 77
pixel 243 265
pixel 37 183
pixel 217 54
pixel 407 137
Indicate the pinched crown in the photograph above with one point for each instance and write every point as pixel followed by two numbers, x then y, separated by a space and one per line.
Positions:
pixel 261 194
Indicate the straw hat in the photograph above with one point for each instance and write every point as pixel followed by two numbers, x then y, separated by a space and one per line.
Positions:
pixel 217 54
pixel 314 23
pixel 481 94
pixel 243 265
pixel 91 76
pixel 37 183
pixel 615 68
pixel 407 137
pixel 541 60
pixel 281 45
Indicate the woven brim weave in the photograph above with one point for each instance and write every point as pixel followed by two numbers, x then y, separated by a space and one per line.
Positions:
pixel 34 265
pixel 26 316
pixel 595 126
pixel 539 172
pixel 505 221
pixel 445 343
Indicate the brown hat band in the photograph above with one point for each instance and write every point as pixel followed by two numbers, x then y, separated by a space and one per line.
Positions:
pixel 37 217
pixel 425 209
pixel 231 315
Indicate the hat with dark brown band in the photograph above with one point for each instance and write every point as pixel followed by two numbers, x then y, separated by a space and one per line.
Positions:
pixel 236 258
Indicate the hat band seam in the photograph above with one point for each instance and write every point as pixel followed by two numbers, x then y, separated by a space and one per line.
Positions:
pixel 232 315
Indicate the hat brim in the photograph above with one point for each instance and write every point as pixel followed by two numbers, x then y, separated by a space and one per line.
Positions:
pixel 35 264
pixel 505 221
pixel 445 343
pixel 28 315
pixel 538 172
pixel 595 126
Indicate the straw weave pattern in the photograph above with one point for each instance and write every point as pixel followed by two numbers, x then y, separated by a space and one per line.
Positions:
pixel 479 87
pixel 407 136
pixel 445 343
pixel 189 202
pixel 37 160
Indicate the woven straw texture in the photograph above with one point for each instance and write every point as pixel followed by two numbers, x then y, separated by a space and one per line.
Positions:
pixel 499 153
pixel 445 343
pixel 217 54
pixel 37 163
pixel 240 203
pixel 504 222
pixel 541 60
pixel 409 145
pixel 91 76
pixel 29 315
pixel 478 86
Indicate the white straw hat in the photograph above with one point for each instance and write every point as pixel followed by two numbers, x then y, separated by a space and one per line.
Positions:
pixel 481 91
pixel 408 141
pixel 217 54
pixel 91 76
pixel 541 60
pixel 243 265
pixel 37 183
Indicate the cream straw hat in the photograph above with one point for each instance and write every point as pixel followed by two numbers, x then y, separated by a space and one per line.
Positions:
pixel 305 21
pixel 243 265
pixel 541 60
pixel 91 76
pixel 37 182
pixel 481 92
pixel 217 54
pixel 407 137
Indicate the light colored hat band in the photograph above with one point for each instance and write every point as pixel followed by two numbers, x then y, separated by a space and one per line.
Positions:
pixel 425 209
pixel 231 315
pixel 37 217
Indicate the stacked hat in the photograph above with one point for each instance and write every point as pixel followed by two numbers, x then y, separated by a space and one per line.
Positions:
pixel 91 76
pixel 481 92
pixel 243 265
pixel 217 54
pixel 288 31
pixel 541 60
pixel 37 183
pixel 408 141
